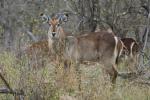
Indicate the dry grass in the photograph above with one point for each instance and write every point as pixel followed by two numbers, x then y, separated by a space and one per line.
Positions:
pixel 53 83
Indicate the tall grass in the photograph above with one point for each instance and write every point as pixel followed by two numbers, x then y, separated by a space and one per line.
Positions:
pixel 51 82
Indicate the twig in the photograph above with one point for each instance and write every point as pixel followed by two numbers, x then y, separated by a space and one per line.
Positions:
pixel 6 83
pixel 9 90
pixel 6 90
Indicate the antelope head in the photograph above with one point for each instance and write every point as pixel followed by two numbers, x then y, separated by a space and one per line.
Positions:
pixel 55 30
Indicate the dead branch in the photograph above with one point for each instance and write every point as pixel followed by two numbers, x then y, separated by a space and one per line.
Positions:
pixel 6 83
pixel 5 90
pixel 9 90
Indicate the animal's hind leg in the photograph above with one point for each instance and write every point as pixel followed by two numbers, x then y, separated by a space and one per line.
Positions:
pixel 113 74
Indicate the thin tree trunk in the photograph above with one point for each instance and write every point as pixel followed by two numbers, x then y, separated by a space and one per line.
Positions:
pixel 2 3
pixel 81 16
pixel 8 37
pixel 94 15
pixel 141 64
pixel 146 35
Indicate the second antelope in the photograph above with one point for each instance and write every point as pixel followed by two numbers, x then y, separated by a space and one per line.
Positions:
pixel 133 48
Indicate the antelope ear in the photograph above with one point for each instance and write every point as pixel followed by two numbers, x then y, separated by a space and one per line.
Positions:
pixel 63 17
pixel 45 18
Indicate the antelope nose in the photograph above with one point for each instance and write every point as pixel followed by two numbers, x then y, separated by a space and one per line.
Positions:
pixel 53 34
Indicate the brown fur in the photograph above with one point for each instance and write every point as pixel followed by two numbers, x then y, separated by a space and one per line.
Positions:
pixel 40 45
pixel 98 47
pixel 127 42
pixel 101 47
pixel 37 53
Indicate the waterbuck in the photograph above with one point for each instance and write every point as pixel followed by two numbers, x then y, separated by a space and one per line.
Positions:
pixel 101 47
pixel 133 48
pixel 131 45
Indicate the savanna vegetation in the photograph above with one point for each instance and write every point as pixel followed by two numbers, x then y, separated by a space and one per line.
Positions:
pixel 34 73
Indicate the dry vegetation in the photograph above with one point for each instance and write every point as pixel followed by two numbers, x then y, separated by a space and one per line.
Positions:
pixel 41 77
pixel 50 82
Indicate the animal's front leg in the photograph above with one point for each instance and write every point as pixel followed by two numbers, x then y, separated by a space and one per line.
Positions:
pixel 67 64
